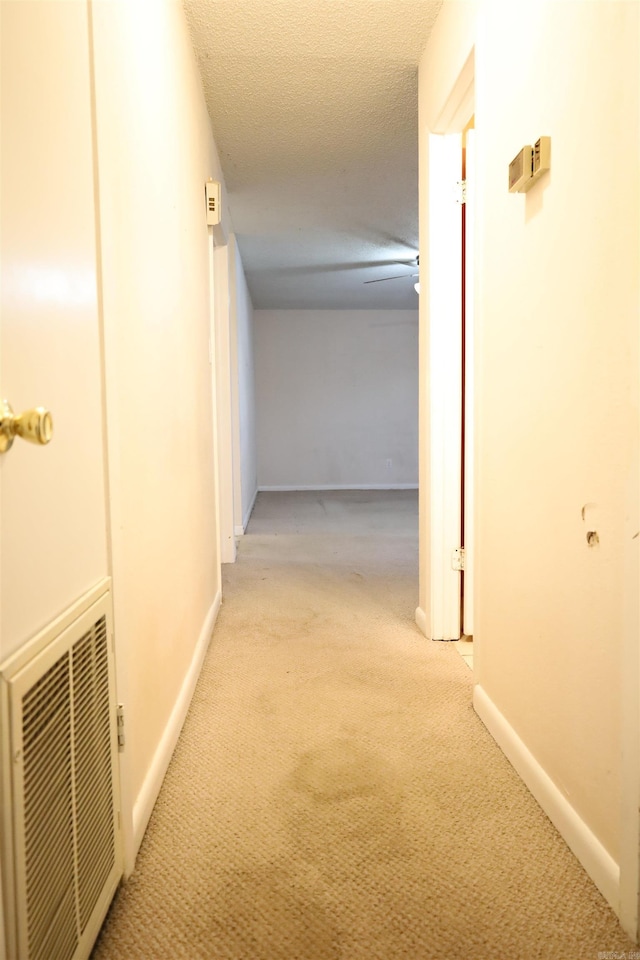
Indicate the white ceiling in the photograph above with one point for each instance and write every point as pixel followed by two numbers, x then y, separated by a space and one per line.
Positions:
pixel 314 110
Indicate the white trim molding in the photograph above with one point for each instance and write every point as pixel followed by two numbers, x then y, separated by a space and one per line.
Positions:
pixel 148 795
pixel 630 703
pixel 223 409
pixel 442 418
pixel 597 862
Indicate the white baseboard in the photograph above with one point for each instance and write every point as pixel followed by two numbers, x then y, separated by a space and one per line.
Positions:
pixel 343 486
pixel 148 795
pixel 598 863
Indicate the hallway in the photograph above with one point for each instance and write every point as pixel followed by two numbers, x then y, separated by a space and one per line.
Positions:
pixel 333 794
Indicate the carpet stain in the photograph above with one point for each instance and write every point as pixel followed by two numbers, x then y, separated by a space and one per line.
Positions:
pixel 345 808
pixel 340 770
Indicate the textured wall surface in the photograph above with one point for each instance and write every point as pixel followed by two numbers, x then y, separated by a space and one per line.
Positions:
pixel 314 112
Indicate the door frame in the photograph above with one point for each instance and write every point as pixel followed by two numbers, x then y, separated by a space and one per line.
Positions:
pixel 468 491
pixel 222 370
pixel 438 615
pixel 629 891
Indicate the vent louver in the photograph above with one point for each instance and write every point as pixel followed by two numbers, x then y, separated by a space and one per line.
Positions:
pixel 65 843
pixel 93 782
pixel 48 815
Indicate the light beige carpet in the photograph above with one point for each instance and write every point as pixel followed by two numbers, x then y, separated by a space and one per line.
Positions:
pixel 333 795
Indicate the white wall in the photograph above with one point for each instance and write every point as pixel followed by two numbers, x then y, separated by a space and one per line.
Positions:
pixel 154 153
pixel 557 382
pixel 243 394
pixel 336 397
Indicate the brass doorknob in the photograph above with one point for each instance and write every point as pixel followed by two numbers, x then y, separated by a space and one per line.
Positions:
pixel 34 425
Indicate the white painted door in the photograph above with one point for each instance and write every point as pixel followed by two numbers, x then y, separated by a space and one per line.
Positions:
pixel 52 498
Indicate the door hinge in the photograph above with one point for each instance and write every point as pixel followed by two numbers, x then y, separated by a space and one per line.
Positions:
pixel 461 194
pixel 120 726
pixel 457 558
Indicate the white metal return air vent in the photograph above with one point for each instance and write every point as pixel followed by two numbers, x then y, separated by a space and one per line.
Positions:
pixel 61 841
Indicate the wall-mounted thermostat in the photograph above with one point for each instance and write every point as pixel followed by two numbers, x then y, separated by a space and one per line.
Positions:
pixel 520 170
pixel 541 160
pixel 212 197
pixel 529 165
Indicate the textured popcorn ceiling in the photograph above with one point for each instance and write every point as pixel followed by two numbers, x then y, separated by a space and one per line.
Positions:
pixel 314 110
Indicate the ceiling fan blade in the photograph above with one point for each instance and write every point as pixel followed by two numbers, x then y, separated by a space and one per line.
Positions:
pixel 301 270
pixel 400 276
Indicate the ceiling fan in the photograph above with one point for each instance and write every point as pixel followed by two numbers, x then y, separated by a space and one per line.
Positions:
pixel 400 276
